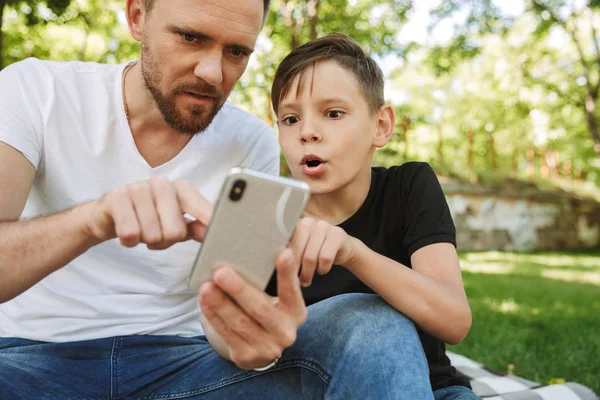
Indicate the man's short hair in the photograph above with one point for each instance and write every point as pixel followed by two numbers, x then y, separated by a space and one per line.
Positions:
pixel 148 4
pixel 339 48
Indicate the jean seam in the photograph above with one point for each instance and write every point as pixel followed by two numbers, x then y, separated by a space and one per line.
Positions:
pixel 307 364
pixel 113 368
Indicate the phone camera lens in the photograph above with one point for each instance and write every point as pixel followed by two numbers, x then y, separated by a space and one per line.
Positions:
pixel 237 190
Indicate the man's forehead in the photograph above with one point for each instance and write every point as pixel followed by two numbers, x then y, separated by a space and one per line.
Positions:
pixel 243 16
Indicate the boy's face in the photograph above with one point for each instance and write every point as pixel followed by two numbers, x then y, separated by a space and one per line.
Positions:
pixel 326 128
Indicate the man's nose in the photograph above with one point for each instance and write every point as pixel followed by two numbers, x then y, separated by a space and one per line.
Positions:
pixel 210 67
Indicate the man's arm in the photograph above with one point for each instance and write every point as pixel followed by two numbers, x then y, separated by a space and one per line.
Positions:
pixel 149 212
pixel 31 250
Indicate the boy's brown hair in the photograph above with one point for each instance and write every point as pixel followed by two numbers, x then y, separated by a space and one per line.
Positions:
pixel 343 50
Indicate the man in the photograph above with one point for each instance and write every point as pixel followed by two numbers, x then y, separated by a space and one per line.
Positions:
pixel 95 302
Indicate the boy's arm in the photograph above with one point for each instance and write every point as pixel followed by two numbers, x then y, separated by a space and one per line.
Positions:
pixel 431 294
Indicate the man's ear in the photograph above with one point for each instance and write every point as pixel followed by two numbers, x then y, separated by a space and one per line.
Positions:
pixel 386 121
pixel 136 15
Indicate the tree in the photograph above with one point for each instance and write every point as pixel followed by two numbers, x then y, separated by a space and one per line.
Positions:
pixel 85 30
pixel 577 20
pixel 37 11
pixel 372 23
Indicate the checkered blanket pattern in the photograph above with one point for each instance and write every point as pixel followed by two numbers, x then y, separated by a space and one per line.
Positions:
pixel 492 385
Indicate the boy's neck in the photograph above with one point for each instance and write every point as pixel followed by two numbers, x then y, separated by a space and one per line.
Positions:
pixel 336 207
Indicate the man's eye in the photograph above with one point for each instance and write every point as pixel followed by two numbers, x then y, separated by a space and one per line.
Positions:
pixel 237 53
pixel 335 114
pixel 187 37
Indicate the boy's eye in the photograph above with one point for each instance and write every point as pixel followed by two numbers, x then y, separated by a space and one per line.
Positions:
pixel 335 114
pixel 291 120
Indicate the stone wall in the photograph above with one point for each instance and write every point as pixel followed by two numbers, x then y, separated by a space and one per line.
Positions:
pixel 521 218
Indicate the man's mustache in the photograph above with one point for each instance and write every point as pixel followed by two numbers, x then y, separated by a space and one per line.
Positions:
pixel 200 89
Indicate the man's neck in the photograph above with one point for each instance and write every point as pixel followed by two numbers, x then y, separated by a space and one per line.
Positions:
pixel 155 140
pixel 336 207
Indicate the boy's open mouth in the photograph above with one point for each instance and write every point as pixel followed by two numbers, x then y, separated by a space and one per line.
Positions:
pixel 312 161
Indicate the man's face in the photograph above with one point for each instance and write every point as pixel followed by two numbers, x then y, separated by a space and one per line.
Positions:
pixel 193 53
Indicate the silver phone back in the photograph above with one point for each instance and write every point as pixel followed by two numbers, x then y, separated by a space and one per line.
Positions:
pixel 248 233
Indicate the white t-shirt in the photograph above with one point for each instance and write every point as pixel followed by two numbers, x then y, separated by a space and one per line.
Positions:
pixel 69 122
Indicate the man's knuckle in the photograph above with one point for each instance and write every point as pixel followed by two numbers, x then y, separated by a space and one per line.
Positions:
pixel 289 337
pixel 175 234
pixel 260 311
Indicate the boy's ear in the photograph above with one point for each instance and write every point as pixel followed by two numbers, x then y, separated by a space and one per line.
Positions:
pixel 386 121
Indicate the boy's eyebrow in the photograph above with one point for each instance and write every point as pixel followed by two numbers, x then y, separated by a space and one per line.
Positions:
pixel 291 104
pixel 203 36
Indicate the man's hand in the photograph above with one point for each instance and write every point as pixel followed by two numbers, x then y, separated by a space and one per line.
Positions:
pixel 255 327
pixel 149 212
pixel 319 245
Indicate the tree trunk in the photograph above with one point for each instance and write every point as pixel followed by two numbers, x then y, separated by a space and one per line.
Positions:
pixel 493 151
pixel 313 17
pixel 2 6
pixel 590 113
pixel 530 163
pixel 287 10
pixel 471 137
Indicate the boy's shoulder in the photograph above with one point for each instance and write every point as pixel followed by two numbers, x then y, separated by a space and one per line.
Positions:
pixel 406 175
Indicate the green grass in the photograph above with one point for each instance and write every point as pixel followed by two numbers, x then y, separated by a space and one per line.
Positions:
pixel 535 315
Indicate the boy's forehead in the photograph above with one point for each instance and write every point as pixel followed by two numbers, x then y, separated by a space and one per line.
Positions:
pixel 325 78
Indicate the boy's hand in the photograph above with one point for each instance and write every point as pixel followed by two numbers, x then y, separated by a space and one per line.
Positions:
pixel 255 327
pixel 318 246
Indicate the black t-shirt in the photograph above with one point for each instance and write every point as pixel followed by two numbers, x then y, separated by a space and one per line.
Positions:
pixel 404 211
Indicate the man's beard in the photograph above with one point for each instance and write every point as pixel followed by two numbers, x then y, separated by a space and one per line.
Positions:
pixel 197 118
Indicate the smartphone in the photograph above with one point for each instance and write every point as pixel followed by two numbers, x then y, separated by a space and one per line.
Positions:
pixel 253 220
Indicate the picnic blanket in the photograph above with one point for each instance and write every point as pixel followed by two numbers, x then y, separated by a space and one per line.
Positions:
pixel 491 385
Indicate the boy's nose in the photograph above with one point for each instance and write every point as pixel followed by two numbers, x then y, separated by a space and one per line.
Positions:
pixel 309 134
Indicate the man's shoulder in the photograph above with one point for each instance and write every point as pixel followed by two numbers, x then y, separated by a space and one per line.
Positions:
pixel 232 118
pixel 59 68
pixel 36 79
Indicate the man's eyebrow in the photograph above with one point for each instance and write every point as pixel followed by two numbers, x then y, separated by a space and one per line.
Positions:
pixel 203 36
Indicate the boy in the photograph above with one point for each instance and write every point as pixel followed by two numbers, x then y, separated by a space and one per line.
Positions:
pixel 368 230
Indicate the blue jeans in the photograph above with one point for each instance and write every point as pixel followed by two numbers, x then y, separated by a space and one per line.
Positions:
pixel 350 347
pixel 455 393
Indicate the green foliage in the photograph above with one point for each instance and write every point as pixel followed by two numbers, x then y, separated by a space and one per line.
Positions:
pixel 497 99
pixel 85 30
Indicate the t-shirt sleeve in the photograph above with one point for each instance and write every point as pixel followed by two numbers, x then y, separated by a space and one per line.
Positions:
pixel 426 217
pixel 265 153
pixel 20 113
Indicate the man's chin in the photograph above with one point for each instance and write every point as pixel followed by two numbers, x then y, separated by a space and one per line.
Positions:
pixel 193 121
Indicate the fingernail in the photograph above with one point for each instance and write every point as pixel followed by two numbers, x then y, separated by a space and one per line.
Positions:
pixel 223 275
pixel 305 284
pixel 204 289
